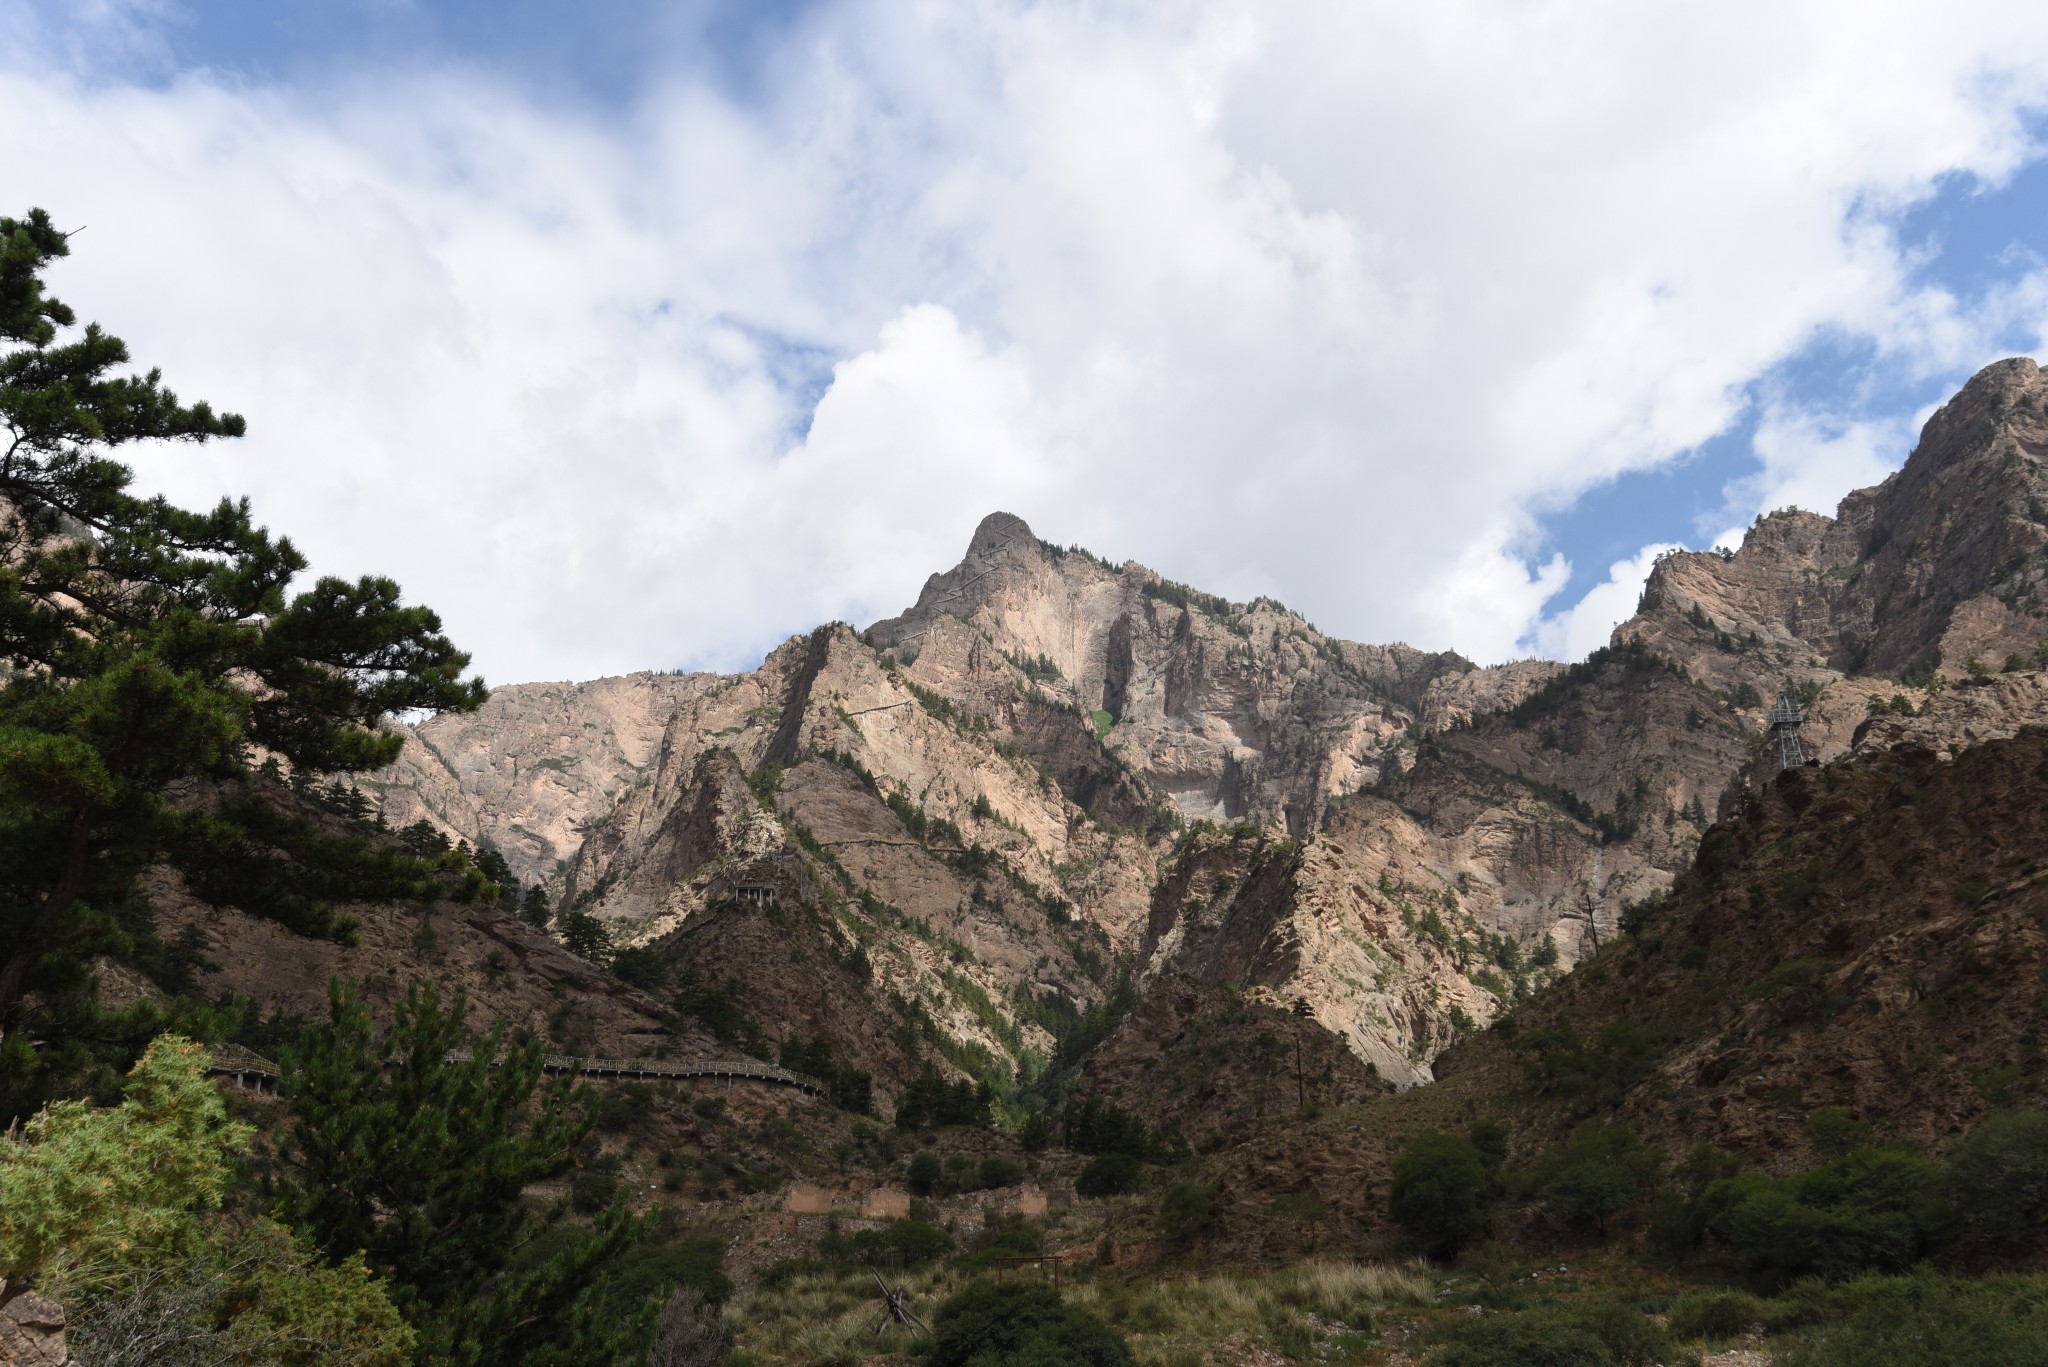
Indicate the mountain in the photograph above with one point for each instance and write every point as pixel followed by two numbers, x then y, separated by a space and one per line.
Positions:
pixel 1051 767
pixel 1864 935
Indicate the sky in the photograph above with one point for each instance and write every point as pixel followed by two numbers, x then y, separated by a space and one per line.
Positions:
pixel 643 335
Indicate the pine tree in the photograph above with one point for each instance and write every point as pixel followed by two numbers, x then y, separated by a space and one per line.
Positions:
pixel 490 860
pixel 415 1145
pixel 149 660
pixel 535 909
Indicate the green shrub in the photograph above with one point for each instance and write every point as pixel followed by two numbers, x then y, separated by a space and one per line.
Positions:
pixel 621 1108
pixel 905 1243
pixel 652 1269
pixel 639 967
pixel 1999 1177
pixel 1438 1190
pixel 1006 1236
pixel 590 1192
pixel 1631 1338
pixel 1597 1335
pixel 1835 1131
pixel 1111 1174
pixel 1872 1210
pixel 924 1173
pixel 1022 1324
pixel 1186 1210
pixel 1000 1172
pixel 1598 1171
pixel 1594 1074
pixel 1036 1133
pixel 1533 1339
pixel 1677 1217
pixel 1716 1314
pixel 112 1183
pixel 900 1243
pixel 1930 1321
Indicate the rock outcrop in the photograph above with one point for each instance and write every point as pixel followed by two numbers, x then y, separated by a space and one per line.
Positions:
pixel 32 1333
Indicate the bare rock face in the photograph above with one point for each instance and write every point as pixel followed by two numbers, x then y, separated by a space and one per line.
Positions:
pixel 530 769
pixel 1944 562
pixel 1949 722
pixel 1241 711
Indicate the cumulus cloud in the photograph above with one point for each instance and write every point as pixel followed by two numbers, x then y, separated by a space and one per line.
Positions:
pixel 1589 623
pixel 1322 301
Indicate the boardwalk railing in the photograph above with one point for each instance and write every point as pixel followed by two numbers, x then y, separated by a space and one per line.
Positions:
pixel 248 1068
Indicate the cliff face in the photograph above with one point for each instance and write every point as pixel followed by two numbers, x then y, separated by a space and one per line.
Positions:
pixel 1240 711
pixel 1941 563
pixel 1050 763
pixel 536 763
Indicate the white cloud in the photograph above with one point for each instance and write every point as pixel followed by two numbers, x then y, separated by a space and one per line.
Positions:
pixel 1809 461
pixel 1320 300
pixel 1588 624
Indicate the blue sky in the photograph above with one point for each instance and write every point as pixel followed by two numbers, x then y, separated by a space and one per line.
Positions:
pixel 644 334
pixel 1970 239
pixel 601 54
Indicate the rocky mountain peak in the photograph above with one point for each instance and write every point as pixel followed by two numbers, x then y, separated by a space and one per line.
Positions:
pixel 1944 562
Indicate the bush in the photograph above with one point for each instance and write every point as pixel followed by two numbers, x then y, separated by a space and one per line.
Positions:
pixel 1596 1173
pixel 237 1293
pixel 1999 1177
pixel 1439 1183
pixel 1187 1209
pixel 1006 1236
pixel 1930 1321
pixel 851 1089
pixel 1000 1172
pixel 1535 1339
pixel 1677 1218
pixel 924 1173
pixel 1835 1131
pixel 1716 1314
pixel 1022 1324
pixel 653 1270
pixel 1110 1174
pixel 621 1108
pixel 905 1243
pixel 1583 1336
pixel 1036 1134
pixel 1873 1210
pixel 639 967
pixel 110 1184
pixel 590 1192
pixel 1631 1338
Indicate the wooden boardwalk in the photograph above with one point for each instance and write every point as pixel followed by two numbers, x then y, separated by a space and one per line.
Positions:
pixel 249 1069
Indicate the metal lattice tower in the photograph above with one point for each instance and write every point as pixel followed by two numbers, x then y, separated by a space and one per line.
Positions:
pixel 1785 719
